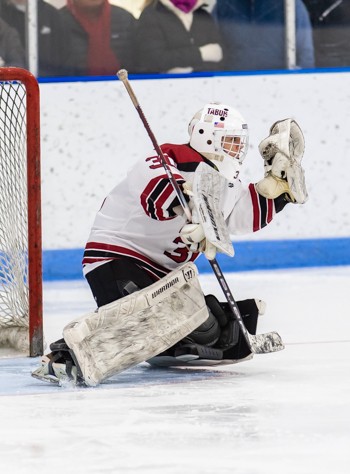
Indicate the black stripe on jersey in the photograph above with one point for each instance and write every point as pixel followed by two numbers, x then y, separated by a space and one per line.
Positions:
pixel 188 167
pixel 176 201
pixel 99 254
pixel 151 270
pixel 103 254
pixel 192 166
pixel 263 211
pixel 173 204
pixel 186 158
pixel 155 194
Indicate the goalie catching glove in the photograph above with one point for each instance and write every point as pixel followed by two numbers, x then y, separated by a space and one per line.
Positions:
pixel 282 152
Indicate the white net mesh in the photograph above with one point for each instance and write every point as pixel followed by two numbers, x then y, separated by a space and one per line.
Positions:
pixel 13 208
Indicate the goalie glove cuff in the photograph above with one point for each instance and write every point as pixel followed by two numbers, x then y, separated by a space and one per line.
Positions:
pixel 294 185
pixel 272 187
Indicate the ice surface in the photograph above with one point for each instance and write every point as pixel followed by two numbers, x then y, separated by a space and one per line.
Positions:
pixel 287 412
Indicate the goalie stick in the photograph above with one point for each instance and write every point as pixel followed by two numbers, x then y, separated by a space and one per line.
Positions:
pixel 258 344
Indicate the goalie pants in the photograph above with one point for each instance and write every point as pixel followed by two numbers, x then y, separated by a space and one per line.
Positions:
pixel 120 277
pixel 116 279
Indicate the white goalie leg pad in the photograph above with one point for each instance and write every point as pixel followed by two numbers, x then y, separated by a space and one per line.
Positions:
pixel 130 330
pixel 208 188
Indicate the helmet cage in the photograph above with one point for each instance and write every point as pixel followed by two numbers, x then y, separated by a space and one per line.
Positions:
pixel 233 143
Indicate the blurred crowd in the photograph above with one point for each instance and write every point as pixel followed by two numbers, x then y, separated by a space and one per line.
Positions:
pixel 97 37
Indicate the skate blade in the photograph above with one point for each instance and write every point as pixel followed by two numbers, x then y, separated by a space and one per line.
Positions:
pixel 46 378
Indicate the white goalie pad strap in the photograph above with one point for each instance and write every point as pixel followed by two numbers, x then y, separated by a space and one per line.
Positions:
pixel 133 329
pixel 207 189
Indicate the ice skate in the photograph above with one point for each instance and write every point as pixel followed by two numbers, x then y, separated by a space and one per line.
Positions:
pixel 58 366
pixel 55 372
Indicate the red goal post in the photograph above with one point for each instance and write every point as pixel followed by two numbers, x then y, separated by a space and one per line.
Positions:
pixel 21 322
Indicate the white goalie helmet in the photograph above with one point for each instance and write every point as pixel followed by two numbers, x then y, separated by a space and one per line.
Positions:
pixel 220 134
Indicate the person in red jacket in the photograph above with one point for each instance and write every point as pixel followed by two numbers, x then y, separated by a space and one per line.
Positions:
pixel 100 37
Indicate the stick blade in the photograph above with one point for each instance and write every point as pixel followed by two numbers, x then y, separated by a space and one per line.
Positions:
pixel 265 343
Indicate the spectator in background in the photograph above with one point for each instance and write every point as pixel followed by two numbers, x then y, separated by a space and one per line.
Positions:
pixel 51 38
pixel 255 34
pixel 133 6
pixel 178 36
pixel 331 31
pixel 11 50
pixel 100 37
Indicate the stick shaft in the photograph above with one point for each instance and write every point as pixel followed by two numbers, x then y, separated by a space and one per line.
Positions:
pixel 124 78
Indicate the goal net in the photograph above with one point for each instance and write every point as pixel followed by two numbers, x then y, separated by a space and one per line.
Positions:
pixel 20 213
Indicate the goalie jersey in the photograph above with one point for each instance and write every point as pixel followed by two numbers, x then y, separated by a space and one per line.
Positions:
pixel 137 219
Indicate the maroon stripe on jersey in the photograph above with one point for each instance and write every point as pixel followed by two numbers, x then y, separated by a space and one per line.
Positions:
pixel 98 252
pixel 156 193
pixel 256 207
pixel 186 158
pixel 162 213
pixel 263 209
